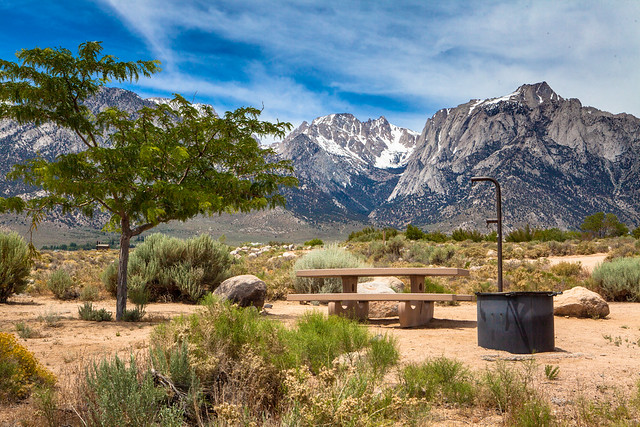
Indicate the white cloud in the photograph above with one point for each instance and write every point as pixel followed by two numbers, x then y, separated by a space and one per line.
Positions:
pixel 440 54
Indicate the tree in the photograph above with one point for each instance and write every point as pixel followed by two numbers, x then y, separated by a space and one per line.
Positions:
pixel 603 225
pixel 161 164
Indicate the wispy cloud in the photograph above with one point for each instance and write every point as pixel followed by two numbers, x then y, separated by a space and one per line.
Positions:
pixel 308 58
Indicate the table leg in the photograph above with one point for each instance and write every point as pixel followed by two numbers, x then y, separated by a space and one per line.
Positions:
pixel 417 283
pixel 358 310
pixel 352 309
pixel 415 313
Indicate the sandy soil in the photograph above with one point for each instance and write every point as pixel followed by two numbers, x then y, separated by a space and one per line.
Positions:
pixel 589 262
pixel 597 358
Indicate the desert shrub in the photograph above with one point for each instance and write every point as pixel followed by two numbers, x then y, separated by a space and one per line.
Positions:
pixel 90 293
pixel 176 269
pixel 441 380
pixel 314 242
pixel 25 331
pixel 555 234
pixel 441 255
pixel 369 234
pixel 413 233
pixel 618 280
pixel 109 278
pixel 117 395
pixel 241 360
pixel 389 252
pixel 567 269
pixel 317 340
pixel 435 236
pixel 87 312
pixel 460 235
pixel 15 265
pixel 329 257
pixel 20 371
pixel 61 285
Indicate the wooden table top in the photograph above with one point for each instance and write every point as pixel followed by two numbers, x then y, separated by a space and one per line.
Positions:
pixel 369 272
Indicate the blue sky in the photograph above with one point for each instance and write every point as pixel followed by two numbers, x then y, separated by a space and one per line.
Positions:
pixel 303 59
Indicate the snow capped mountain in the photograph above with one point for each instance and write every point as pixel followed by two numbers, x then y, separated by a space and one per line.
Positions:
pixel 346 167
pixel 374 142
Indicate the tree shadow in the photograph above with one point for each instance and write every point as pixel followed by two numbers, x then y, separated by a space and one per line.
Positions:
pixel 22 303
pixel 433 324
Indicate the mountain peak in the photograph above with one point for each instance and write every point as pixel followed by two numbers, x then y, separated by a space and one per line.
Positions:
pixel 537 93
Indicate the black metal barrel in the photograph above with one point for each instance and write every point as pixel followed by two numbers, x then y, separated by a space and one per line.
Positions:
pixel 517 322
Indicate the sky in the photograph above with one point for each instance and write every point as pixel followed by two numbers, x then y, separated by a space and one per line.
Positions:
pixel 402 59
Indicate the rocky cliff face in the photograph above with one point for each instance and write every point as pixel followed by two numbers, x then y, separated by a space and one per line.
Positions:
pixel 556 160
pixel 346 168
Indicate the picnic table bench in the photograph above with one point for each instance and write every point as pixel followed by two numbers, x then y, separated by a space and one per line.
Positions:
pixel 414 308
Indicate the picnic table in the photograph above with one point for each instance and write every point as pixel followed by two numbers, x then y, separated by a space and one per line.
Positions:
pixel 414 308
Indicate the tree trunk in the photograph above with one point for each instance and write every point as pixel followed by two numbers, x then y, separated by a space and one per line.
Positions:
pixel 123 265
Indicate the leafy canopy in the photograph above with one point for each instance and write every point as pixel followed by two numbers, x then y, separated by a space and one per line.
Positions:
pixel 164 163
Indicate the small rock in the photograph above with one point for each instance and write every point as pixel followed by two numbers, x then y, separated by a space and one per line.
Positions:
pixel 244 290
pixel 268 306
pixel 580 302
pixel 289 255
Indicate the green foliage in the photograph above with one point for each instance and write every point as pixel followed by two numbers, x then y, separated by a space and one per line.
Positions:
pixel 435 236
pixel 369 234
pixel 618 280
pixel 329 257
pixel 90 293
pixel 551 372
pixel 636 232
pixel 603 225
pixel 171 162
pixel 460 235
pixel 317 340
pixel 567 269
pixel 109 278
pixel 428 254
pixel 438 380
pixel 134 314
pixel 118 395
pixel 520 235
pixel 171 268
pixel 25 332
pixel 314 242
pixel 413 233
pixel 20 371
pixel 61 285
pixel 87 312
pixel 242 361
pixel 15 265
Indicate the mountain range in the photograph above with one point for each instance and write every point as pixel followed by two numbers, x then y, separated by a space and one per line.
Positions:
pixel 557 161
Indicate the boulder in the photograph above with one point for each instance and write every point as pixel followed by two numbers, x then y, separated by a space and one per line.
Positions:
pixel 244 290
pixel 382 285
pixel 580 302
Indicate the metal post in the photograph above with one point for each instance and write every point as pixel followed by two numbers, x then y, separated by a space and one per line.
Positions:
pixel 497 221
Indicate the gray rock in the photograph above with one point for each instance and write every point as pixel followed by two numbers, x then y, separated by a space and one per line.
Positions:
pixel 244 290
pixel 382 285
pixel 580 302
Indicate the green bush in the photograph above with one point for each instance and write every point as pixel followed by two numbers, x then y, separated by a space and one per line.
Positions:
pixel 441 380
pixel 15 265
pixel 60 284
pixel 618 280
pixel 119 395
pixel 109 278
pixel 567 269
pixel 435 236
pixel 520 235
pixel 413 233
pixel 242 361
pixel 329 257
pixel 87 312
pixel 369 234
pixel 460 235
pixel 314 242
pixel 172 268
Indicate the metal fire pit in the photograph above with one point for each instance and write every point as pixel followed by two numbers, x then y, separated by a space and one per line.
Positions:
pixel 517 322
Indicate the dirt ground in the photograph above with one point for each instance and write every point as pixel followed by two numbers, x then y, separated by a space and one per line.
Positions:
pixel 596 357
